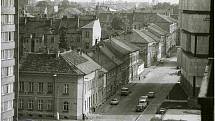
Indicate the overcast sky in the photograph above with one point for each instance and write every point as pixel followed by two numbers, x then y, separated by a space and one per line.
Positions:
pixel 171 1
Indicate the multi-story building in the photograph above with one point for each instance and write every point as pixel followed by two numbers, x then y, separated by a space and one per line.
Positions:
pixel 39 35
pixel 59 86
pixel 194 23
pixel 7 59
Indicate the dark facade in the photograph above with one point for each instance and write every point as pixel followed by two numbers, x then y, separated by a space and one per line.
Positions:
pixel 194 44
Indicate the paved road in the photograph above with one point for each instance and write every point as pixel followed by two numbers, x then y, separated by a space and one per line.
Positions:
pixel 160 80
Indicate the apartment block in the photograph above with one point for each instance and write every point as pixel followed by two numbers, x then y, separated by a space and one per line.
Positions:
pixel 7 59
pixel 194 23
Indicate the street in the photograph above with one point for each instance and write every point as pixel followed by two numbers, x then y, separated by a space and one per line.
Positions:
pixel 160 80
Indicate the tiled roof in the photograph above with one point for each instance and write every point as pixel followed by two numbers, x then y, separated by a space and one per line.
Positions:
pixel 90 25
pixel 47 63
pixel 89 66
pixel 84 63
pixel 151 35
pixel 110 55
pixel 102 59
pixel 73 57
pixel 167 18
pixel 124 45
pixel 144 36
pixel 157 29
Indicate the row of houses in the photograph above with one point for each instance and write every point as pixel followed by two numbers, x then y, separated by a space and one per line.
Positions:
pixel 69 84
pixel 66 79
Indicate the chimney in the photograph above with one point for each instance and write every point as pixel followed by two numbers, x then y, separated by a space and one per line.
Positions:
pixel 78 20
pixel 51 22
pixel 26 19
pixel 58 54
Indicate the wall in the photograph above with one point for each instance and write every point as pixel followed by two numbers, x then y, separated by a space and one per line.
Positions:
pixel 96 32
pixel 87 40
pixel 57 97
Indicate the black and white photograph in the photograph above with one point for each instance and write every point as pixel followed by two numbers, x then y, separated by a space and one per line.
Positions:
pixel 107 60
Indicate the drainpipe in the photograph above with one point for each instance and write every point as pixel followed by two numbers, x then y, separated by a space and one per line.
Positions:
pixel 55 97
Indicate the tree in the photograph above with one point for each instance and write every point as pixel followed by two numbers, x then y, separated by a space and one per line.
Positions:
pixel 63 45
pixel 117 23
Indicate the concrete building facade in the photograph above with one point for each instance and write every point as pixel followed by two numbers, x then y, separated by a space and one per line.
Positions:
pixel 194 23
pixel 8 41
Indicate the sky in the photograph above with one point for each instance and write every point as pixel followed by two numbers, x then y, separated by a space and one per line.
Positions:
pixel 171 1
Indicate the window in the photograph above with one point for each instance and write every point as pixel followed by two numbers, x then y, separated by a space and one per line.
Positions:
pixel 40 87
pixel 7 19
pixel 52 39
pixel 49 105
pixel 21 104
pixel 7 71
pixel 31 87
pixel 7 36
pixel 87 45
pixel 7 54
pixel 66 106
pixel 66 89
pixel 7 88
pixel 7 2
pixel 30 104
pixel 21 86
pixel 7 105
pixel 40 104
pixel 87 34
pixel 50 87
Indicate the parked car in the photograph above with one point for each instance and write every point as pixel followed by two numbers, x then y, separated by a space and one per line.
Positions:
pixel 162 111
pixel 151 94
pixel 142 104
pixel 144 98
pixel 114 101
pixel 125 91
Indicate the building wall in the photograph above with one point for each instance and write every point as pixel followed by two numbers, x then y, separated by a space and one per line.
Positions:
pixel 39 44
pixel 7 59
pixel 96 32
pixel 58 96
pixel 87 38
pixel 194 40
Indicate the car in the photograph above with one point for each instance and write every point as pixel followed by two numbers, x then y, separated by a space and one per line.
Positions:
pixel 125 91
pixel 162 110
pixel 144 98
pixel 151 94
pixel 141 106
pixel 114 101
